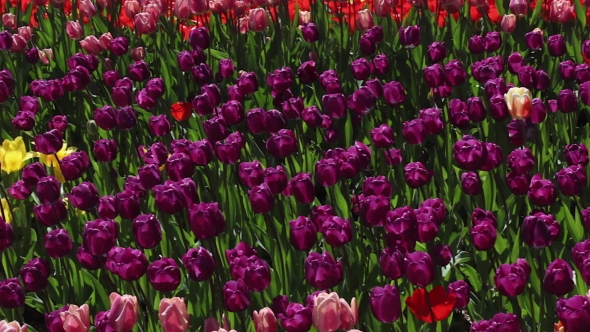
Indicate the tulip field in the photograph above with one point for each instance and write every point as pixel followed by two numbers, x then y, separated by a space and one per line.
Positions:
pixel 294 165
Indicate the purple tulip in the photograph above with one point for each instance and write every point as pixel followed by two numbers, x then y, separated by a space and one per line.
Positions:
pixel 534 40
pixel 322 271
pixel 35 274
pixel 84 196
pixel 571 180
pixel 296 318
pixel 476 44
pixel 483 236
pixel 58 243
pixel 199 263
pixel 128 263
pixel 386 303
pixel 409 37
pixel 302 233
pixel 206 220
pixel 510 280
pixel 416 174
pixel 394 93
pixel 236 295
pixel 469 153
pixel 391 262
pixel 460 289
pixel 455 73
pixel 164 275
pixel 414 131
pixel 539 230
pixel 558 278
pixel 12 294
pixel 541 191
pixel 437 52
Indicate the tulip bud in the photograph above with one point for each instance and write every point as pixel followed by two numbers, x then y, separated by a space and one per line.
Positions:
pixel 35 274
pixel 508 23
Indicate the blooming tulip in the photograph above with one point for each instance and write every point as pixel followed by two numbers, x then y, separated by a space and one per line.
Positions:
pixel 76 319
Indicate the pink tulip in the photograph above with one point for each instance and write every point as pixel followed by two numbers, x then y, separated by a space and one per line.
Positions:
pixel 144 23
pixel 182 9
pixel 349 314
pixel 265 320
pixel 258 19
pixel 91 45
pixel 364 20
pixel 382 9
pixel 326 312
pixel 354 330
pixel 105 41
pixel 45 55
pixel 86 8
pixel 13 326
pixel 243 25
pixel 508 23
pixel 224 330
pixel 25 33
pixel 18 44
pixel 132 8
pixel 173 315
pixel 9 21
pixel 124 311
pixel 74 30
pixel 76 319
pixel 219 6
pixel 154 9
pixel 199 7
pixel 561 11
pixel 137 53
pixel 304 17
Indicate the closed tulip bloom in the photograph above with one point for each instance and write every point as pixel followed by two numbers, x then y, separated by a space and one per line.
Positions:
pixel 264 320
pixel 251 173
pixel 558 278
pixel 419 268
pixel 236 295
pixel 84 196
pixel 337 231
pixel 391 263
pixel 326 312
pixel 282 144
pixel 483 236
pixel 327 171
pixel 402 222
pixel 567 70
pixel 510 280
pixel 416 175
pixel 50 214
pixel 541 191
pixel 567 101
pixel 476 44
pixel 164 275
pixel 74 30
pixel 302 233
pixel 206 220
pixel 147 231
pixel 571 180
pixel 173 315
pixel 253 270
pixel 145 23
pixel 106 207
pixel 494 157
pixel 492 41
pixel 179 166
pixel 91 45
pixel 377 186
pixel 128 263
pixel 508 23
pixel 460 289
pixel 385 303
pixel 455 73
pixel 409 37
pixel 556 45
pixel 49 142
pixel 76 319
pixel 561 11
pixel 458 114
pixel 471 183
pixel 322 271
pixel 123 313
pixel 521 160
pixel 310 32
pixel 257 19
pixel 437 52
pixel 127 204
pixel 431 119
pixel 534 39
pixel 53 321
pixel 48 189
pixel 519 102
pixel 89 261
pixel 35 274
pixel 518 183
pixel 297 318
pixel 394 93
pixel 261 199
pixel 361 69
pixel 199 263
pixel 414 131
pixel 58 243
pixel 99 236
pixel 539 230
pixel 576 154
pixel 469 153
pixel 201 152
pixel 275 179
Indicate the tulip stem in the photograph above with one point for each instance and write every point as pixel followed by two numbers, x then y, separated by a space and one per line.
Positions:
pixel 542 303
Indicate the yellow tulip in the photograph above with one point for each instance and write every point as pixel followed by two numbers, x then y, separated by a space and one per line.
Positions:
pixel 519 102
pixel 13 155
pixel 6 209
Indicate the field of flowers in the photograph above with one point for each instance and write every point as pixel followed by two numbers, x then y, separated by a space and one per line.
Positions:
pixel 294 165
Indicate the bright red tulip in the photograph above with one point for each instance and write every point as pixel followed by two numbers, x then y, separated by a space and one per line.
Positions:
pixel 431 306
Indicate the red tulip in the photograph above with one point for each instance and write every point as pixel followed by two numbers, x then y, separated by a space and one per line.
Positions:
pixel 181 111
pixel 438 306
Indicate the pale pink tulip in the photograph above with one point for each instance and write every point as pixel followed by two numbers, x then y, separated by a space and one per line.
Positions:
pixel 258 19
pixel 145 23
pixel 132 8
pixel 508 23
pixel 74 30
pixel 561 11
pixel 265 320
pixel 349 314
pixel 26 33
pixel 91 45
pixel 243 25
pixel 225 322
pixel 304 17
pixel 9 21
pixel 45 55
pixel 224 330
pixel 182 9
pixel 13 326
pixel 326 312
pixel 86 8
pixel 173 315
pixel 105 41
pixel 19 44
pixel 364 20
pixel 124 312
pixel 76 319
pixel 154 9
